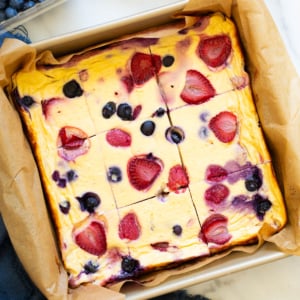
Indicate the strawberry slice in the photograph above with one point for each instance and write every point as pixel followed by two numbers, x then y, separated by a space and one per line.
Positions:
pixel 214 230
pixel 197 88
pixel 144 66
pixel 215 50
pixel 129 227
pixel 72 142
pixel 92 238
pixel 118 138
pixel 215 173
pixel 178 178
pixel 216 194
pixel 142 170
pixel 224 126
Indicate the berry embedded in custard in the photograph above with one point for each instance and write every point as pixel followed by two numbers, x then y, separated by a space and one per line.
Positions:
pixel 91 238
pixel 197 88
pixel 215 50
pixel 143 170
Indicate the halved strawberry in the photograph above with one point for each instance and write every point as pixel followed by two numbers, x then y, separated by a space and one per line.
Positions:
pixel 214 230
pixel 197 88
pixel 178 178
pixel 224 126
pixel 215 173
pixel 118 138
pixel 129 227
pixel 144 66
pixel 142 171
pixel 216 194
pixel 92 238
pixel 214 50
pixel 72 142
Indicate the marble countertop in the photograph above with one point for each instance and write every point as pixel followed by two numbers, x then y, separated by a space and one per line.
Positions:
pixel 75 15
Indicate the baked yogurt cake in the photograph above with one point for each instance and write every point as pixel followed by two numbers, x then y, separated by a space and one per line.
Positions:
pixel 150 150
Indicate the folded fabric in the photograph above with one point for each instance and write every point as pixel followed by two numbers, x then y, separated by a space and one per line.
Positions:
pixel 15 284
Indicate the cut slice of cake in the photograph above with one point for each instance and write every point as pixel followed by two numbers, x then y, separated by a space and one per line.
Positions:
pixel 236 208
pixel 200 61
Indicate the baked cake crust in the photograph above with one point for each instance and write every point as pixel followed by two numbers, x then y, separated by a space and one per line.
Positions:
pixel 150 150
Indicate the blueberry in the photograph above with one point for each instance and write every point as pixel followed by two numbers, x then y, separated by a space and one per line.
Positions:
pixel 177 229
pixel 168 60
pixel 89 201
pixel 261 205
pixel 203 132
pixel 114 174
pixel 160 112
pixel 55 175
pixel 72 89
pixel 148 127
pixel 91 267
pixel 174 134
pixel 129 264
pixel 71 175
pixel 64 206
pixel 27 101
pixel 10 12
pixel 28 4
pixel 108 109
pixel 62 182
pixel 16 4
pixel 254 181
pixel 124 111
pixel 3 4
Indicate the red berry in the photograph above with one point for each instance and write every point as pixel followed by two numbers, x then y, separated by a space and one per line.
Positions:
pixel 224 126
pixel 216 194
pixel 215 50
pixel 92 238
pixel 129 227
pixel 72 142
pixel 178 178
pixel 161 246
pixel 142 171
pixel 215 173
pixel 144 66
pixel 197 88
pixel 214 230
pixel 118 138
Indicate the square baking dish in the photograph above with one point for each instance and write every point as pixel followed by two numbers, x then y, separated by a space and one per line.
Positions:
pixel 79 40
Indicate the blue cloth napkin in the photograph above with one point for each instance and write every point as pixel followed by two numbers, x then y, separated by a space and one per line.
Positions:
pixel 15 284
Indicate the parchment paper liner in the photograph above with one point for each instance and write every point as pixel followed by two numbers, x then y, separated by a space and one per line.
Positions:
pixel 276 87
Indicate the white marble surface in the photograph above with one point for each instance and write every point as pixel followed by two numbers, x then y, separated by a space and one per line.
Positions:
pixel 276 280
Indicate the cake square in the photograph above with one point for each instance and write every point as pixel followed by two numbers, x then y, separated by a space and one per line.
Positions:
pixel 165 230
pixel 219 131
pixel 93 250
pixel 233 209
pixel 199 61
